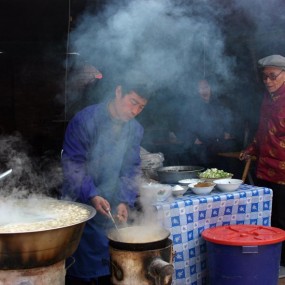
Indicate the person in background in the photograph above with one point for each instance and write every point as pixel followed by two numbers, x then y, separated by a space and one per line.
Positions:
pixel 83 79
pixel 101 161
pixel 268 144
pixel 210 126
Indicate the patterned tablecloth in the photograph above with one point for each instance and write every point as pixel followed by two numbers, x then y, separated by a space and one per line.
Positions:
pixel 186 217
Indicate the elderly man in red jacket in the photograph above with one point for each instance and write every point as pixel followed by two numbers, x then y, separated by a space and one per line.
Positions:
pixel 269 142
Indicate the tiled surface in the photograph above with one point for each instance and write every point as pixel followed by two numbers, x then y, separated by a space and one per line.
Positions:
pixel 188 216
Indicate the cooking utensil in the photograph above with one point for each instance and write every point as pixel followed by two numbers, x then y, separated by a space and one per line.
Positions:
pixel 5 173
pixel 150 266
pixel 24 250
pixel 172 174
pixel 138 238
pixel 109 213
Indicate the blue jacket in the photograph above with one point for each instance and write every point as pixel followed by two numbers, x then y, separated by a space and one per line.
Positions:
pixel 101 156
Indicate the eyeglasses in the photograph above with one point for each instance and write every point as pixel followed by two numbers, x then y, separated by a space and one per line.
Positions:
pixel 271 76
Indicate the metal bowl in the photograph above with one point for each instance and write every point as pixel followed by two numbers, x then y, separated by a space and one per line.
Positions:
pixel 24 250
pixel 172 174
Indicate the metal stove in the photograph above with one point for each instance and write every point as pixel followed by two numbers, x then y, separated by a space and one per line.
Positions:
pixel 48 275
pixel 146 267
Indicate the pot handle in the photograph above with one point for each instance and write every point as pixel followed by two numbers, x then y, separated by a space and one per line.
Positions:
pixel 161 271
pixel 118 272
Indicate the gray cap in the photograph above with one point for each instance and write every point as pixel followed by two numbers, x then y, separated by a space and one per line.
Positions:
pixel 272 60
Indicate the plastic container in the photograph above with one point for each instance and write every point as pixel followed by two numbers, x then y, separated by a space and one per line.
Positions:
pixel 243 254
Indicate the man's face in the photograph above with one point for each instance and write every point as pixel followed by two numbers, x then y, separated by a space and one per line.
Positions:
pixel 128 106
pixel 204 90
pixel 273 78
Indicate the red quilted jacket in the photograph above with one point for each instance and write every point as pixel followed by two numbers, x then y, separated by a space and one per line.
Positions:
pixel 269 142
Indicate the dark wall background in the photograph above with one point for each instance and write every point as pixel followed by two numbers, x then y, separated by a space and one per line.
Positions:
pixel 33 46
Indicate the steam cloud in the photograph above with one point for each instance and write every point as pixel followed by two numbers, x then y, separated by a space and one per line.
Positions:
pixel 175 43
pixel 178 42
pixel 29 175
pixel 165 40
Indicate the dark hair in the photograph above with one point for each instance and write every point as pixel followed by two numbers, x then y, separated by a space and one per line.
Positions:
pixel 134 79
pixel 143 90
pixel 129 80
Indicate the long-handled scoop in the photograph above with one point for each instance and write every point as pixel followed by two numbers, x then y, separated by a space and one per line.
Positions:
pixel 5 173
pixel 109 213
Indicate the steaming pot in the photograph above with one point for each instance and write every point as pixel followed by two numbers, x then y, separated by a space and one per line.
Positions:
pixel 140 262
pixel 24 250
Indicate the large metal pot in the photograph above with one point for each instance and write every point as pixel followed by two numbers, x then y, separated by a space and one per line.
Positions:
pixel 24 250
pixel 148 267
pixel 138 238
pixel 141 255
pixel 172 174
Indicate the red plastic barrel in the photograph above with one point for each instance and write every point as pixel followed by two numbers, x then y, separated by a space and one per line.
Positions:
pixel 243 254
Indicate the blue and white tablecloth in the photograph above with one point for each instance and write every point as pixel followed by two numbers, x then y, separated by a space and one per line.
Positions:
pixel 188 216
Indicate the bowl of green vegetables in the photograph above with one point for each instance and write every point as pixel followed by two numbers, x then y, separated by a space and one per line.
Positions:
pixel 212 174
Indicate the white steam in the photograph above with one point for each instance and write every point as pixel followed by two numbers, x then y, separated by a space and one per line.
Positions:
pixel 166 41
pixel 30 175
pixel 176 43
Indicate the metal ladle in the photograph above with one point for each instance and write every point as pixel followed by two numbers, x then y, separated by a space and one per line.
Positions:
pixel 5 173
pixel 113 220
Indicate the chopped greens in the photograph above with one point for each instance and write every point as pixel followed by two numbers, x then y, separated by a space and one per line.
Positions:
pixel 214 173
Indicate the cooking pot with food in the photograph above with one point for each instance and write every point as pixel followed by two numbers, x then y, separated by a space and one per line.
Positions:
pixel 43 232
pixel 138 238
pixel 141 255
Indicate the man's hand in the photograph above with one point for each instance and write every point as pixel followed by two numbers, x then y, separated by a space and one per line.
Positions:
pixel 101 205
pixel 244 156
pixel 122 213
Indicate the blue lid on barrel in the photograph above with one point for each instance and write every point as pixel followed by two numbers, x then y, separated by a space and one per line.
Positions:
pixel 244 235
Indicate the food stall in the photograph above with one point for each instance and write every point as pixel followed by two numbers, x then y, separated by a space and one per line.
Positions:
pixel 187 216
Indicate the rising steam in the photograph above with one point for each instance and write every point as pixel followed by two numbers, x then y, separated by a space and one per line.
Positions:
pixel 29 175
pixel 178 42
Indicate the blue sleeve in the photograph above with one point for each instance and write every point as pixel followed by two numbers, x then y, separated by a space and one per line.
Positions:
pixel 131 169
pixel 78 184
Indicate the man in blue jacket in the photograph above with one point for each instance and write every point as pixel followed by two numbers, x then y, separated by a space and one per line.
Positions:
pixel 101 161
